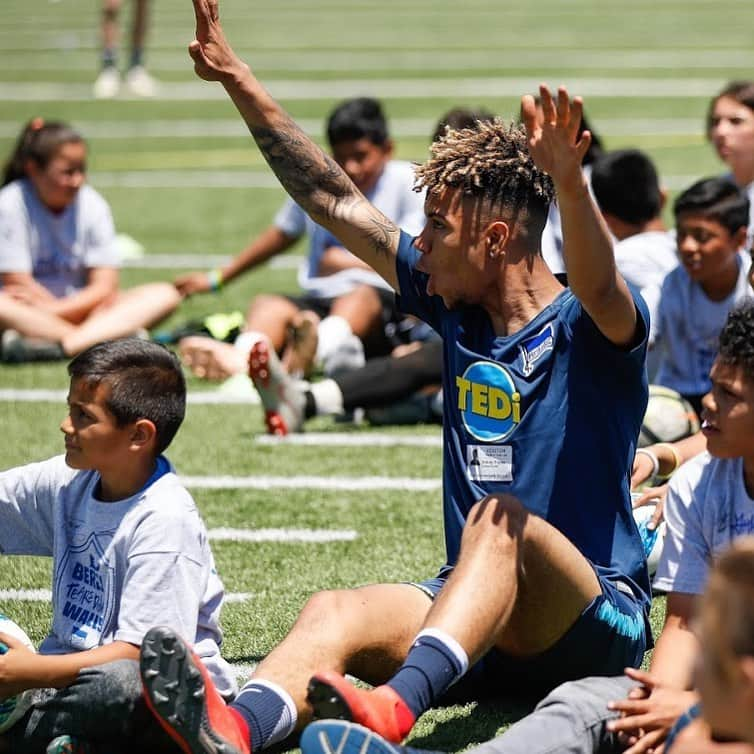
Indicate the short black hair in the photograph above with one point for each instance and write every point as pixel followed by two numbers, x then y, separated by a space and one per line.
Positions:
pixel 354 119
pixel 461 117
pixel 626 186
pixel 717 199
pixel 145 380
pixel 736 342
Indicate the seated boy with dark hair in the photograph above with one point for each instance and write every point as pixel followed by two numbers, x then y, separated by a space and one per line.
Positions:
pixel 628 192
pixel 711 219
pixel 129 550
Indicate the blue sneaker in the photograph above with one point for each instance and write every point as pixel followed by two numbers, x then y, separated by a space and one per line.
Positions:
pixel 343 737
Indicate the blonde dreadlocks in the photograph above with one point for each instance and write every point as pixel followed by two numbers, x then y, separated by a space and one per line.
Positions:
pixel 490 161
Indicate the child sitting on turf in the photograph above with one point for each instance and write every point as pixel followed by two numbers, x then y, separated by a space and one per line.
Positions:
pixel 58 261
pixel 129 550
pixel 711 221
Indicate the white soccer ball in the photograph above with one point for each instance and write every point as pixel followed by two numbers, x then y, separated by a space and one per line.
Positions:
pixel 669 417
pixel 651 539
pixel 13 708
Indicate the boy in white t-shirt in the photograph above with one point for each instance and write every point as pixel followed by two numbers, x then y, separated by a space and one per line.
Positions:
pixel 129 549
pixel 711 223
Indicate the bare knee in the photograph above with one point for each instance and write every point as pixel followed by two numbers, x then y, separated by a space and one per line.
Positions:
pixel 328 617
pixel 361 308
pixel 496 512
pixel 110 9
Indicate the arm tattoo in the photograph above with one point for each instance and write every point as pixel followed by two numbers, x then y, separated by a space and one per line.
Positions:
pixel 312 178
pixel 319 185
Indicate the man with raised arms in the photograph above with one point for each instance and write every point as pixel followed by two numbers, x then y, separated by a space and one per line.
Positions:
pixel 545 387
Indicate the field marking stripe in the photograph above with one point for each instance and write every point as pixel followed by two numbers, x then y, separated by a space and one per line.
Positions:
pixel 235 179
pixel 311 482
pixel 369 439
pixel 225 534
pixel 399 127
pixel 414 88
pixel 199 397
pixel 267 61
pixel 202 261
pixel 45 595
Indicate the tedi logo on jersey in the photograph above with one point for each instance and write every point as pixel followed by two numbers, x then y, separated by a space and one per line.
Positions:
pixel 489 403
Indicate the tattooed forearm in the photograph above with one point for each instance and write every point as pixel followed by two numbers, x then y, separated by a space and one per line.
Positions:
pixel 311 177
pixel 380 232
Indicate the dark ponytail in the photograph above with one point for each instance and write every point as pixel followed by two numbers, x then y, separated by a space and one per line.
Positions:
pixel 38 141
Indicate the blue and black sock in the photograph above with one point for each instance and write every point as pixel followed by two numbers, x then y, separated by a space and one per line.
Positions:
pixel 434 663
pixel 268 710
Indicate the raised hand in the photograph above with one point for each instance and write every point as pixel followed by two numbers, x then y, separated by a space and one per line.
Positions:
pixel 214 59
pixel 554 141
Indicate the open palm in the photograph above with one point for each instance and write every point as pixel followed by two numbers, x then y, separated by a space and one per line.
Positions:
pixel 554 141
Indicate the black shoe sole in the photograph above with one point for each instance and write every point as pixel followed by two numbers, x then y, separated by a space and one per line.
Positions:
pixel 175 689
pixel 326 702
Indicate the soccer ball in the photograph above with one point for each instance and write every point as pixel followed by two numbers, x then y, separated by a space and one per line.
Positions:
pixel 651 539
pixel 13 708
pixel 668 417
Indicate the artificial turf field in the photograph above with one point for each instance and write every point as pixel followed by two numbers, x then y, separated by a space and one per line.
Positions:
pixel 185 181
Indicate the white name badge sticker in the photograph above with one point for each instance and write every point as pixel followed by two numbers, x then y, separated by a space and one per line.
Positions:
pixel 489 463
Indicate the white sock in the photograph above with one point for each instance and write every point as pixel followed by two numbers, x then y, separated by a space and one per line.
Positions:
pixel 269 711
pixel 328 398
pixel 246 340
pixel 332 333
pixel 455 648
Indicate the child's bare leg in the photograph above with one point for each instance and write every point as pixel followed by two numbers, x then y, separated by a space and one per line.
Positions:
pixel 132 310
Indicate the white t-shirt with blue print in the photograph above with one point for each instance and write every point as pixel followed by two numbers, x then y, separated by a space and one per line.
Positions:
pixel 706 509
pixel 393 195
pixel 57 249
pixel 121 567
pixel 688 328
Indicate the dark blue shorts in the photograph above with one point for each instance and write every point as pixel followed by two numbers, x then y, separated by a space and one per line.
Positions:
pixel 609 635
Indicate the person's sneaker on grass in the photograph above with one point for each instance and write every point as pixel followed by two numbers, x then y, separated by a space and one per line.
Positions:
pixel 283 401
pixel 140 83
pixel 381 709
pixel 344 737
pixel 18 349
pixel 181 695
pixel 107 84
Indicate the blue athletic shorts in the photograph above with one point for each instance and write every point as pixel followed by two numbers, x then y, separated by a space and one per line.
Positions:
pixel 609 635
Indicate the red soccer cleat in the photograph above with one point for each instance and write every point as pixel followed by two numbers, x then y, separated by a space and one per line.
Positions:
pixel 282 399
pixel 181 695
pixel 381 709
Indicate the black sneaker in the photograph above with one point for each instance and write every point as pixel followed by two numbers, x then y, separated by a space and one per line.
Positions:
pixel 16 349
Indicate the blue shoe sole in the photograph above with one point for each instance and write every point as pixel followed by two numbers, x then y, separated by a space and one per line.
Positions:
pixel 343 737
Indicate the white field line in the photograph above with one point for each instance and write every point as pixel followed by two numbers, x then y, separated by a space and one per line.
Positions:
pixel 45 595
pixel 204 179
pixel 423 60
pixel 283 535
pixel 399 127
pixel 199 397
pixel 203 261
pixel 234 179
pixel 418 88
pixel 354 484
pixel 361 439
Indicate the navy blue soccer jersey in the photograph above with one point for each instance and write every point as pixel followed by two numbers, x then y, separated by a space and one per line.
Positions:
pixel 549 414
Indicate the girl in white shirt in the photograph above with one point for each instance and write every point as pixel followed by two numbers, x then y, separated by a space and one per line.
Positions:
pixel 58 261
